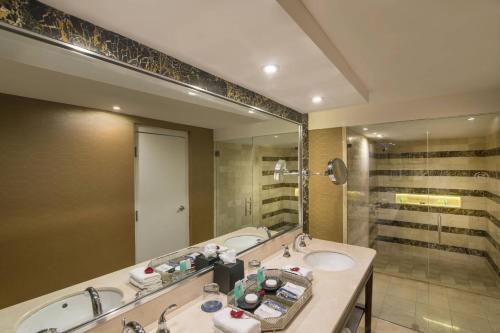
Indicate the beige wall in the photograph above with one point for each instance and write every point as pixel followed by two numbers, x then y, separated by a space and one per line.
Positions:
pixel 325 198
pixel 67 197
pixel 487 101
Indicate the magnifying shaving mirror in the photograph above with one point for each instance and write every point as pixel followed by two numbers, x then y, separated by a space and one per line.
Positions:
pixel 336 170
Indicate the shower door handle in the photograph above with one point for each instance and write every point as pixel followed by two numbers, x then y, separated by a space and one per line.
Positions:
pixel 439 228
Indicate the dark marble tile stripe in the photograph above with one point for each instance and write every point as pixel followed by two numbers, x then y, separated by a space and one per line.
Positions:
pixel 280 226
pixel 279 185
pixel 276 158
pixel 441 210
pixel 271 172
pixel 439 154
pixel 434 173
pixel 492 263
pixel 438 191
pixel 447 229
pixel 434 246
pixel 441 247
pixel 280 198
pixel 280 211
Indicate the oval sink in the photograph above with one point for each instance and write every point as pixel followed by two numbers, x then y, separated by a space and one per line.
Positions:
pixel 243 242
pixel 69 311
pixel 329 261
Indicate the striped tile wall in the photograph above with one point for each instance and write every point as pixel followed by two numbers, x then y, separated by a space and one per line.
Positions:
pixel 466 168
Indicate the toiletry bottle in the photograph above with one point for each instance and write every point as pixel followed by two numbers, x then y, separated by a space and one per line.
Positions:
pixel 239 290
pixel 260 277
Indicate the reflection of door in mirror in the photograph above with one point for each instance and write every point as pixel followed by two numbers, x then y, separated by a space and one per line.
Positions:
pixel 162 224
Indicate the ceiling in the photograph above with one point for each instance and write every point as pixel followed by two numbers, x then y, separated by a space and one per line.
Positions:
pixel 231 39
pixel 443 128
pixel 37 70
pixel 412 49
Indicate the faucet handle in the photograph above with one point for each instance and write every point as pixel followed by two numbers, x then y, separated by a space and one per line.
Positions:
pixel 303 239
pixel 286 251
pixel 162 322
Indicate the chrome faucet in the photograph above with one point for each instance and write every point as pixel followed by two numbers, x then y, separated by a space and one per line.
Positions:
pixel 266 229
pixel 162 322
pixel 301 239
pixel 132 326
pixel 96 301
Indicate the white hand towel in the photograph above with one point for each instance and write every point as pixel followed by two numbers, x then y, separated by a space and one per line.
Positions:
pixel 303 271
pixel 149 286
pixel 140 276
pixel 227 324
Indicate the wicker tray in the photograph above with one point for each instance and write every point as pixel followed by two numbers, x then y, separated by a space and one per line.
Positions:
pixel 280 323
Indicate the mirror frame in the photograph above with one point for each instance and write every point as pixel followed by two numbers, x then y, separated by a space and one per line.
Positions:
pixel 22 19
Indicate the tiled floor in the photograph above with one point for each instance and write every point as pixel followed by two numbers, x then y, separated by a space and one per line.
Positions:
pixel 475 276
pixel 427 307
pixel 383 326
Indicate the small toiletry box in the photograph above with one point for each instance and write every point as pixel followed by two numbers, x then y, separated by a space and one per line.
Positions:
pixel 226 275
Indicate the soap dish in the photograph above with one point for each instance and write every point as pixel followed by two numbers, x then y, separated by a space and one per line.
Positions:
pixel 242 304
pixel 272 289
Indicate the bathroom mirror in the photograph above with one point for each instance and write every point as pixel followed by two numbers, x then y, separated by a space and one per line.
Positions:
pixel 107 171
pixel 336 170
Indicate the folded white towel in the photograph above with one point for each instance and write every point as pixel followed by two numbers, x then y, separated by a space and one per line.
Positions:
pixel 149 286
pixel 303 271
pixel 227 324
pixel 216 330
pixel 138 275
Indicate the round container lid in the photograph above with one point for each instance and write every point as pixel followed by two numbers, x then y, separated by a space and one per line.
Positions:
pixel 271 283
pixel 251 298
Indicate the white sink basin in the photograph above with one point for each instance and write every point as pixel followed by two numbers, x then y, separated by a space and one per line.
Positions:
pixel 329 261
pixel 69 311
pixel 243 242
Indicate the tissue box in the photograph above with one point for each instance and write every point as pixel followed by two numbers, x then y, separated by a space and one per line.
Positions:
pixel 226 275
pixel 201 261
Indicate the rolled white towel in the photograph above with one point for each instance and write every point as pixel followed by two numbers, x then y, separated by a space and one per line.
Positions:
pixel 303 271
pixel 140 276
pixel 224 322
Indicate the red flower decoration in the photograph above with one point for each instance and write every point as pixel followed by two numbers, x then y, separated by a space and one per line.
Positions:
pixel 149 270
pixel 295 269
pixel 261 293
pixel 236 314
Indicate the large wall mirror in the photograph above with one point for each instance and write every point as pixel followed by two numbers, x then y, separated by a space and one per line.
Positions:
pixel 106 170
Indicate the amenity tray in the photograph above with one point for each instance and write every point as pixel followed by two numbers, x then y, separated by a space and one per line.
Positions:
pixel 280 323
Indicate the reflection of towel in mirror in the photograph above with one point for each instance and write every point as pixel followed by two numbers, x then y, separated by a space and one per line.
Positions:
pixel 149 286
pixel 223 322
pixel 303 271
pixel 141 277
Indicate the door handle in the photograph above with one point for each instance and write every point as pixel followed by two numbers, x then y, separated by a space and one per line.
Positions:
pixel 180 209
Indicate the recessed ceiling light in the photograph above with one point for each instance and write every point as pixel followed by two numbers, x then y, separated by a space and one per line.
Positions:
pixel 116 108
pixel 379 135
pixel 374 133
pixel 317 99
pixel 471 118
pixel 270 69
pixel 365 129
pixel 191 93
pixel 251 111
pixel 275 136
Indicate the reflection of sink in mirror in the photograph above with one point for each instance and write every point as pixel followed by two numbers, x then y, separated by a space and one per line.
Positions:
pixel 329 261
pixel 240 243
pixel 69 311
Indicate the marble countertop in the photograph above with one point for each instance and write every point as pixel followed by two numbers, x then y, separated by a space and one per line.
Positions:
pixel 333 293
pixel 10 317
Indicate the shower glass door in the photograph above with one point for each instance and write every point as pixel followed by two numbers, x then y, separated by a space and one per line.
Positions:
pixel 234 169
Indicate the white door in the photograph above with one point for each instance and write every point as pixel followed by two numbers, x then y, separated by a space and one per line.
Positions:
pixel 162 221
